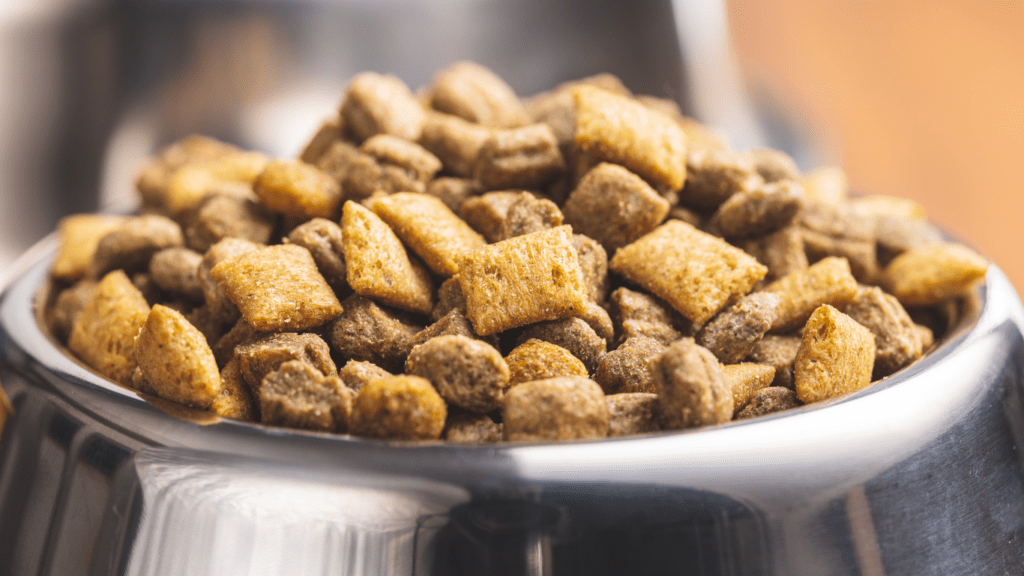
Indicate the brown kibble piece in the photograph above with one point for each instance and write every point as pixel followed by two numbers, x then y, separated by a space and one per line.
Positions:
pixel 526 157
pixel 529 214
pixel 337 159
pixel 377 104
pixel 746 380
pixel 103 334
pixel 895 235
pixel 378 266
pixel 454 323
pixel 897 342
pixel 220 306
pixel 298 395
pixel 234 400
pixel 713 176
pixel 599 320
pixel 779 352
pixel 614 206
pixel 223 216
pixel 155 176
pixel 637 314
pixel 298 190
pixel 454 192
pixel 594 263
pixel 471 428
pixel 861 254
pixel 176 270
pixel 760 211
pixel 928 275
pixel 769 401
pixel 632 413
pixel 133 243
pixel 467 373
pixel 828 281
pixel 398 408
pixel 240 333
pixel 66 307
pixel 80 235
pixel 836 356
pixel 455 141
pixel 538 360
pixel 261 356
pixel 427 226
pixel 449 297
pixel 278 288
pixel 573 334
pixel 175 359
pixel 565 408
pixel 689 383
pixel 774 165
pixel 782 252
pixel 191 184
pixel 357 374
pixel 330 131
pixel 521 281
pixel 367 332
pixel 618 129
pixel 733 332
pixel 628 368
pixel 389 164
pixel 698 274
pixel 474 93
pixel 325 242
pixel 486 213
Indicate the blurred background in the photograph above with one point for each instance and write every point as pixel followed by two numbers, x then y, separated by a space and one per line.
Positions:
pixel 922 99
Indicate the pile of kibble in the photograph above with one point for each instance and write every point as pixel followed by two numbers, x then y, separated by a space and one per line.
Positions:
pixel 580 264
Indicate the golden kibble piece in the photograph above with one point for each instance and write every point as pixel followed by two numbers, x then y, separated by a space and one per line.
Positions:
pixel 398 408
pixel 690 386
pixel 836 356
pixel 357 374
pixel 697 273
pixel 928 275
pixel 746 380
pixel 523 280
pixel 103 334
pixel 539 360
pixel 573 334
pixel 175 359
pixel 278 288
pixel 80 234
pixel 566 408
pixel 828 281
pixel 298 190
pixel 476 94
pixel 827 184
pixel 235 400
pixel 194 182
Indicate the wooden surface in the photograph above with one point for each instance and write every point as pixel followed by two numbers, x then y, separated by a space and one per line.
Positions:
pixel 922 99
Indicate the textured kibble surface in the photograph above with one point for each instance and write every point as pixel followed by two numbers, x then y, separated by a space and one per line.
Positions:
pixel 79 237
pixel 398 408
pixel 826 282
pixel 566 408
pixel 897 341
pixel 298 190
pixel 538 360
pixel 732 334
pixel 931 274
pixel 471 428
pixel 632 413
pixel 467 373
pixel 427 226
pixel 690 386
pixel 369 332
pixel 103 334
pixel 628 368
pixel 836 356
pixel 769 401
pixel 262 355
pixel 573 334
pixel 745 380
pixel 176 360
pixel 300 396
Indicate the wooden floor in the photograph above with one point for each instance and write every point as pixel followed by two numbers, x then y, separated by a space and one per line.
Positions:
pixel 922 99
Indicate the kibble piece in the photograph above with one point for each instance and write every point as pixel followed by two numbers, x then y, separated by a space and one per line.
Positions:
pixel 378 266
pixel 599 320
pixel 523 280
pixel 897 342
pixel 471 428
pixel 66 307
pixel 330 131
pixel 926 336
pixel 895 235
pixel 828 281
pixel 782 252
pixel 628 368
pixel 234 400
pixel 690 387
pixel 298 395
pixel 155 176
pixel 632 413
pixel 774 165
pixel 746 380
pixel 617 129
pixel 454 323
pixel 836 356
pixel 398 408
pixel 324 240
pixel 220 306
pixel 733 332
pixel 133 243
pixel 261 356
pixel 365 331
pixel 201 318
pixel 337 160
pixel 449 297
pixel 930 274
pixel 278 288
pixel 614 206
pixel 573 334
pixel 637 314
pixel 224 216
pixel 861 254
pixel 103 334
pixel 455 141
pixel 683 213
pixel 478 95
pixel 538 360
pixel 760 211
pixel 769 401
pixel 194 182
pixel 467 373
pixel 377 104
pixel 176 360
pixel 80 235
pixel 486 213
pixel 713 176
pixel 779 352
pixel 565 408
pixel 557 107
pixel 594 263
pixel 387 165
pixel 526 157
pixel 697 273
pixel 176 270
pixel 357 374
pixel 454 192
pixel 828 185
pixel 298 190
pixel 530 214
pixel 427 226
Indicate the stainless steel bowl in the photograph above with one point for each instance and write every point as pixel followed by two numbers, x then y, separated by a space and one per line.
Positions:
pixel 920 474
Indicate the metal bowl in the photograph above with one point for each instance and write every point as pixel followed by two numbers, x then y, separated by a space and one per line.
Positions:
pixel 922 473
